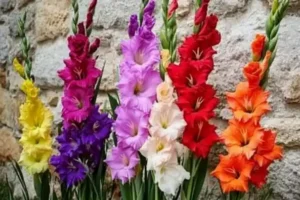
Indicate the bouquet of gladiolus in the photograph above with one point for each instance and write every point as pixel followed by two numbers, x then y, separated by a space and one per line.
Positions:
pixel 160 118
pixel 251 148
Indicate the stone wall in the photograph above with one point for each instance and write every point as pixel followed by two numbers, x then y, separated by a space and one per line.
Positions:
pixel 48 24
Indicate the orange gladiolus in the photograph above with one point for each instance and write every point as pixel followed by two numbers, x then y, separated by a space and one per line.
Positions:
pixel 267 151
pixel 242 138
pixel 248 103
pixel 254 71
pixel 257 46
pixel 233 173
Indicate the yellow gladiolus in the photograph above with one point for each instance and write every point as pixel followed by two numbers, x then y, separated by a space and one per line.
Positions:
pixel 29 89
pixel 37 163
pixel 33 144
pixel 35 118
pixel 18 67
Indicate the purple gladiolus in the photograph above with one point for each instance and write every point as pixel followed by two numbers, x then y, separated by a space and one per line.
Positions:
pixel 133 25
pixel 131 127
pixel 122 162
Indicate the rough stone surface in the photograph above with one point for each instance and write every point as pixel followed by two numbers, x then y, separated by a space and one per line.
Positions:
pixel 51 19
pixel 291 90
pixel 239 21
pixel 116 14
pixel 4 45
pixel 7 5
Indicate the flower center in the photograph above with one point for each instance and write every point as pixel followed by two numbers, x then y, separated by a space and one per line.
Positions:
pixel 125 160
pixel 198 103
pixel 96 125
pixel 139 58
pixel 160 146
pixel 234 172
pixel 190 81
pixel 245 139
pixel 78 73
pixel 135 131
pixel 248 106
pixel 78 103
pixel 164 124
pixel 197 53
pixel 198 135
pixel 137 88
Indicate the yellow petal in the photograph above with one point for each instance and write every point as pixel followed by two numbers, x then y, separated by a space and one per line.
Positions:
pixel 18 67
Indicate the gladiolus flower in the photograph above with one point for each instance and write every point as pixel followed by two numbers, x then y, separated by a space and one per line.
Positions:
pixel 19 68
pixel 166 121
pixel 242 138
pixel 122 162
pixel 30 89
pixel 79 47
pixel 35 119
pixel 139 53
pixel 83 74
pixel 257 46
pixel 35 163
pixel 138 89
pixel 198 104
pixel 186 76
pixel 76 103
pixel 234 173
pixel 70 171
pixel 158 151
pixel 33 144
pixel 170 176
pixel 172 8
pixel 267 151
pixel 165 58
pixel 254 71
pixel 248 103
pixel 164 92
pixel 131 127
pixel 133 25
pixel 200 137
pixel 201 14
pixel 197 51
pixel 259 175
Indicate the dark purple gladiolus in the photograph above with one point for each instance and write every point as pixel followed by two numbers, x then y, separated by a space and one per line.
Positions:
pixel 133 25
pixel 90 14
pixel 149 10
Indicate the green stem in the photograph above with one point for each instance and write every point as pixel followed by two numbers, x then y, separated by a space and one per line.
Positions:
pixel 75 17
pixel 191 182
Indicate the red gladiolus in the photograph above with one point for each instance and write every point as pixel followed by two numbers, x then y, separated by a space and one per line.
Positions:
pixel 201 14
pixel 198 105
pixel 172 8
pixel 200 137
pixel 259 175
pixel 185 76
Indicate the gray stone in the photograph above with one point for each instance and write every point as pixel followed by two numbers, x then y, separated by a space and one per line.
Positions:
pixel 52 19
pixel 116 14
pixel 4 45
pixel 184 7
pixel 7 5
pixel 225 7
pixel 22 3
pixel 284 176
pixel 291 90
pixel 14 18
pixel 48 60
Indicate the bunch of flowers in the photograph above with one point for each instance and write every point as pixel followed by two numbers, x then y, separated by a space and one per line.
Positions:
pixel 137 87
pixel 251 148
pixel 35 118
pixel 162 148
pixel 195 97
pixel 84 128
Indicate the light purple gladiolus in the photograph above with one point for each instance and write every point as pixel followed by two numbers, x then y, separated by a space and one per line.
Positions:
pixel 131 127
pixel 122 162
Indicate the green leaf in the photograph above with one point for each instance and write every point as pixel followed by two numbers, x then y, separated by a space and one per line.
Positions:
pixel 164 40
pixel 20 176
pixel 114 103
pixel 42 185
pixel 126 191
pixel 199 178
pixel 274 31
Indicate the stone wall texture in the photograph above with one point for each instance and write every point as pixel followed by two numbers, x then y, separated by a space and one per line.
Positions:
pixel 48 25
